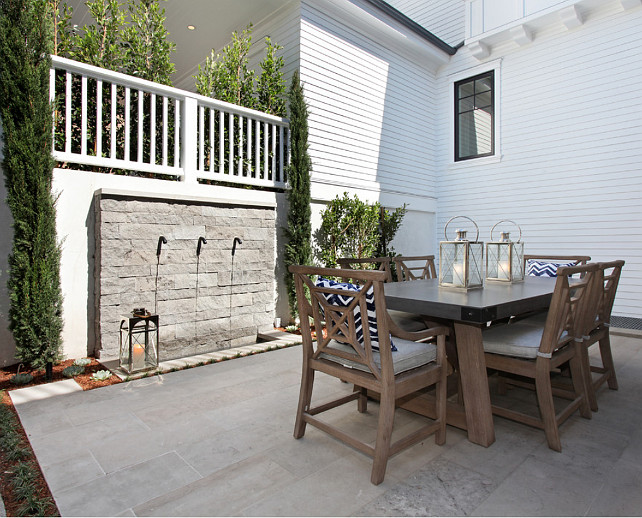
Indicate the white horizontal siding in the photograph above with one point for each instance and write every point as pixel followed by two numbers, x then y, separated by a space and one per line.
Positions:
pixel 444 18
pixel 363 131
pixel 571 129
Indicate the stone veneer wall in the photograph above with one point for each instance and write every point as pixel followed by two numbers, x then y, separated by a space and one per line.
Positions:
pixel 230 308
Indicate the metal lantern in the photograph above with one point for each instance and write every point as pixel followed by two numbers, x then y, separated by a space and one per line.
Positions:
pixel 139 342
pixel 505 258
pixel 460 261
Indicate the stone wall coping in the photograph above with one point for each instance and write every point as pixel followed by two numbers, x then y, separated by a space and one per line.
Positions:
pixel 183 197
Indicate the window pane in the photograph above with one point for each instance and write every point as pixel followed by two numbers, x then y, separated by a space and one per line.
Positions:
pixel 466 105
pixel 483 100
pixel 475 133
pixel 466 89
pixel 483 85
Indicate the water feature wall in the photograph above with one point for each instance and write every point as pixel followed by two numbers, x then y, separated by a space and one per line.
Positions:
pixel 206 302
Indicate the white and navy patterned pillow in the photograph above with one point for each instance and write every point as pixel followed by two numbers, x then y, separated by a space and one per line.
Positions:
pixel 339 300
pixel 544 269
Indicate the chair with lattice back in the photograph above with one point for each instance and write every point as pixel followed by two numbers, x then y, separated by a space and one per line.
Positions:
pixel 532 350
pixel 357 347
pixel 412 268
pixel 597 332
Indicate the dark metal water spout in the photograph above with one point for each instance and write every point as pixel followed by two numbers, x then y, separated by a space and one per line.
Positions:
pixel 236 240
pixel 201 241
pixel 161 241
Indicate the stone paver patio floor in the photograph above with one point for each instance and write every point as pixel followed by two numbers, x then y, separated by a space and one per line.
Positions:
pixel 217 440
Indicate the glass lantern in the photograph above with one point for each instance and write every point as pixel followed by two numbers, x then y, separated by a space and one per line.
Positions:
pixel 138 342
pixel 460 261
pixel 505 258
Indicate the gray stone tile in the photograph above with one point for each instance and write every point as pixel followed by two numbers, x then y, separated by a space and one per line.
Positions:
pixel 537 488
pixel 586 448
pixel 442 488
pixel 338 489
pixel 223 493
pixel 119 491
pixel 512 442
pixel 78 468
pixel 621 494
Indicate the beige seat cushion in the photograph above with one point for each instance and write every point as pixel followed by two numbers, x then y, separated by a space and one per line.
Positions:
pixel 409 355
pixel 520 339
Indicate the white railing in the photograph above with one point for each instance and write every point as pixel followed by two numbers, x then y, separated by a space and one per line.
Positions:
pixel 487 15
pixel 119 123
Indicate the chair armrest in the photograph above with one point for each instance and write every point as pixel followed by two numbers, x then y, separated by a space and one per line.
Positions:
pixel 415 336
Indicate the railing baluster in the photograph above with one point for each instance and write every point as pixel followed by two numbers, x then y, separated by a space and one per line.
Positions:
pixel 83 115
pixel 266 133
pixel 240 146
pixel 164 131
pixel 257 149
pixel 221 142
pixel 177 132
pixel 68 112
pixel 250 169
pixel 152 129
pixel 281 135
pixel 99 118
pixel 114 105
pixel 201 137
pixel 52 100
pixel 211 147
pixel 127 110
pixel 273 155
pixel 141 125
pixel 230 165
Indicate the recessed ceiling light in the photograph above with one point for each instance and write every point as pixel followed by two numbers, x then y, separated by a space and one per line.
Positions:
pixel 191 27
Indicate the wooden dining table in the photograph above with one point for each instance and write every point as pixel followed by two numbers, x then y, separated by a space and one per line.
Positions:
pixel 468 311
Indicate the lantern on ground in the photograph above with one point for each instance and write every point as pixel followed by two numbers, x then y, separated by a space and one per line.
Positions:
pixel 460 261
pixel 505 258
pixel 138 342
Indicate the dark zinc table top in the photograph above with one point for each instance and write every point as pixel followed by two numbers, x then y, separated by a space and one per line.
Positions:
pixel 494 301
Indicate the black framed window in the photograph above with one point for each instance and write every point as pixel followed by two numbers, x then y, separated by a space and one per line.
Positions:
pixel 474 116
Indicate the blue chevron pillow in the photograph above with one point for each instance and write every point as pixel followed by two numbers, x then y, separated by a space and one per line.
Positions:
pixel 544 269
pixel 339 300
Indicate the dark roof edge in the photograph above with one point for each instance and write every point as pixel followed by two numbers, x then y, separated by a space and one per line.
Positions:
pixel 413 26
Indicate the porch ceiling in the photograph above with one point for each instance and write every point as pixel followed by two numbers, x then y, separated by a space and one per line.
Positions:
pixel 215 20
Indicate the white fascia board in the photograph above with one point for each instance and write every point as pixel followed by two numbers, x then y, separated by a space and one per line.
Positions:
pixel 372 23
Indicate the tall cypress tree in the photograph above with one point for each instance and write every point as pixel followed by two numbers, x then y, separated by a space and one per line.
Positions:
pixel 35 314
pixel 298 250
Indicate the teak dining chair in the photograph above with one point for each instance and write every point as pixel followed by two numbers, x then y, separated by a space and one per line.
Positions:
pixel 531 350
pixel 408 269
pixel 348 351
pixel 597 331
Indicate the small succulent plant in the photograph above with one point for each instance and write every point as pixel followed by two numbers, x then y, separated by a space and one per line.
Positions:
pixel 101 375
pixel 83 362
pixel 21 378
pixel 73 370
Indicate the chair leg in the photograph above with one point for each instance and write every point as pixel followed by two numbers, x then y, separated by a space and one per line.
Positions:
pixel 441 396
pixel 547 407
pixel 587 380
pixel 305 396
pixel 362 402
pixel 580 370
pixel 384 436
pixel 607 361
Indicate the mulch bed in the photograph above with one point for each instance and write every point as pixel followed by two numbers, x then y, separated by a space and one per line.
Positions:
pixel 39 378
